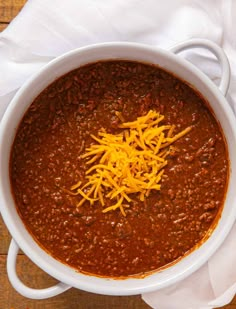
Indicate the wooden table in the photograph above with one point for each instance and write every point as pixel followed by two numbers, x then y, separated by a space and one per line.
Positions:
pixel 32 275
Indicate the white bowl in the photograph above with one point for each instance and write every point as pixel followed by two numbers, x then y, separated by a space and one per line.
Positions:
pixel 68 276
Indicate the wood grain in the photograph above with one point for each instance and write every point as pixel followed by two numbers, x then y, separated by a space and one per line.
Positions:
pixel 3 26
pixel 31 274
pixel 9 9
pixel 4 238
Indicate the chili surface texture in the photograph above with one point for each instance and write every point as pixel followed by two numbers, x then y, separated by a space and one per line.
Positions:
pixel 46 159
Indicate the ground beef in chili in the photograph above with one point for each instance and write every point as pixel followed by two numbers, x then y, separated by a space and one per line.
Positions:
pixel 46 157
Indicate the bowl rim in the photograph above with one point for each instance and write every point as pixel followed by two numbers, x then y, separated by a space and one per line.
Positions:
pixel 96 284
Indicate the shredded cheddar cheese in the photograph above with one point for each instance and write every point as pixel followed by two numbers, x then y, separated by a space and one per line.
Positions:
pixel 127 163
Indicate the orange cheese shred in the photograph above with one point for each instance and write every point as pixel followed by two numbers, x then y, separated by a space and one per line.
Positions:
pixel 131 162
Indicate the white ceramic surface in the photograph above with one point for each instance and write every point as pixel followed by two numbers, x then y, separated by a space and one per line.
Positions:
pixel 130 51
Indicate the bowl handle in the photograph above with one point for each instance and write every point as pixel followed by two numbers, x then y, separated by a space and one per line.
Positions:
pixel 23 289
pixel 216 50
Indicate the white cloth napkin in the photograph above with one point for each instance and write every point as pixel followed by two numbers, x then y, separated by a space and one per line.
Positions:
pixel 45 29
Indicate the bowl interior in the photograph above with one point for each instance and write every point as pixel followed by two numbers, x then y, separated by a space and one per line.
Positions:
pixel 15 112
